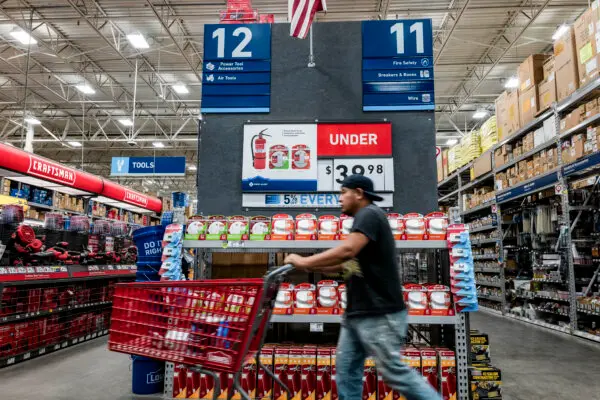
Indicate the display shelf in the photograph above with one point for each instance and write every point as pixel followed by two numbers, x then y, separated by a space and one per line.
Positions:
pixel 526 129
pixel 488 270
pixel 579 95
pixel 336 319
pixel 37 314
pixel 586 335
pixel 449 195
pixel 588 312
pixel 579 127
pixel 485 256
pixel 539 323
pixel 559 282
pixel 489 310
pixel 488 283
pixel 538 309
pixel 478 208
pixel 448 179
pixel 52 208
pixel 522 157
pixel 537 296
pixel 7 361
pixel 483 228
pixel 62 273
pixel 529 186
pixel 484 241
pixel 477 181
pixel 299 245
pixel 491 298
pixel 584 165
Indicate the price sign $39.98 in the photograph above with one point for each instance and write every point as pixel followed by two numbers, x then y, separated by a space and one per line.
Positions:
pixel 333 172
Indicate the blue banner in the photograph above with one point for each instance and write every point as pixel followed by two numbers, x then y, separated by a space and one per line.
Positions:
pixel 398 99
pixel 527 188
pixel 236 90
pixel 397 63
pixel 397 38
pixel 236 66
pixel 593 160
pixel 399 76
pixel 147 166
pixel 237 42
pixel 260 184
pixel 398 87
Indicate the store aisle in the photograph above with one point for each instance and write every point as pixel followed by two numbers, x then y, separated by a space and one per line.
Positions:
pixel 537 364
pixel 85 371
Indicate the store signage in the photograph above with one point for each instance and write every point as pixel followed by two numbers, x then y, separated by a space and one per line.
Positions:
pixel 590 161
pixel 120 193
pixel 398 65
pixel 236 68
pixel 49 170
pixel 333 172
pixel 302 200
pixel 147 166
pixel 339 140
pixel 527 188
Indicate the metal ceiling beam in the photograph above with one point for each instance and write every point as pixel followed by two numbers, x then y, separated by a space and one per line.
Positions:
pixel 448 35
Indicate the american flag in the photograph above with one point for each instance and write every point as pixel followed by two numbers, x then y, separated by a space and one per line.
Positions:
pixel 301 14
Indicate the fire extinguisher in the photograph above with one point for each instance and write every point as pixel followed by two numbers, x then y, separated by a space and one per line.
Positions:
pixel 258 149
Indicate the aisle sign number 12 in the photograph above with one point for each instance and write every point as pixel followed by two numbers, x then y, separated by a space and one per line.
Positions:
pixel 237 42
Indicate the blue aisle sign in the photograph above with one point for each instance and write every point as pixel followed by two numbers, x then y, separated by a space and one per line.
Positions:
pixel 527 188
pixel 147 166
pixel 398 65
pixel 236 71
pixel 591 161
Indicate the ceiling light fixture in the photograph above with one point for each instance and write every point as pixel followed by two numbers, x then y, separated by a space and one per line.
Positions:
pixel 560 31
pixel 85 89
pixel 192 168
pixel 180 88
pixel 481 113
pixel 74 144
pixel 512 83
pixel 138 41
pixel 23 37
pixel 126 122
pixel 32 120
pixel 452 142
pixel 158 145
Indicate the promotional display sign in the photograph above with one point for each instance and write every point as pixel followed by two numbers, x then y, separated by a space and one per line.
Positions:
pixel 236 67
pixel 398 65
pixel 147 166
pixel 302 200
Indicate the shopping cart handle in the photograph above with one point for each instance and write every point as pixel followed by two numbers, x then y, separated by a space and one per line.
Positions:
pixel 278 271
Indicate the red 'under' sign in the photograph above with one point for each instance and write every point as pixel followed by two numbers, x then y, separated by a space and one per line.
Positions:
pixel 335 140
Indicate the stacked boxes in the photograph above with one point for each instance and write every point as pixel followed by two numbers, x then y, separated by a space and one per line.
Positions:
pixel 565 65
pixel 585 28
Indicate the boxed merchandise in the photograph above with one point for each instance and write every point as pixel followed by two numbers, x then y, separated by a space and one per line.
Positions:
pixel 480 348
pixel 327 297
pixel 343 298
pixel 414 226
pixel 216 228
pixel 531 71
pixel 538 138
pixel 436 225
pixel 548 68
pixel 485 383
pixel 447 374
pixel 180 382
pixel 282 227
pixel 440 300
pixel 238 228
pixel 587 49
pixel 513 116
pixel 345 226
pixel 528 105
pixel 482 165
pixel 498 158
pixel 591 108
pixel 260 228
pixel 577 142
pixel 565 65
pixel 305 299
pixel 294 372
pixel 396 224
pixel 306 227
pixel 309 373
pixel 329 227
pixel 502 115
pixel 281 362
pixel 195 227
pixel 369 380
pixel 416 298
pixel 429 366
pixel 547 93
pixel 549 128
pixel 265 382
pixel 284 302
pixel 489 133
pixel 248 378
pixel 385 392
pixel 324 374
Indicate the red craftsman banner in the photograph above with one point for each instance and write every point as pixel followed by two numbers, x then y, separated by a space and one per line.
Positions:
pixel 354 140
pixel 121 193
pixel 25 163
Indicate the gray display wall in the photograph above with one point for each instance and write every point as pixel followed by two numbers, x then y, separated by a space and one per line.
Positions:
pixel 332 91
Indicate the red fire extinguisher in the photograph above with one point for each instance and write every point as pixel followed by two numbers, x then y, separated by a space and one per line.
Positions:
pixel 259 152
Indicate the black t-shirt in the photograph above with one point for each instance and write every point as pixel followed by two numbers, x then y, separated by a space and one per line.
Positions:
pixel 378 290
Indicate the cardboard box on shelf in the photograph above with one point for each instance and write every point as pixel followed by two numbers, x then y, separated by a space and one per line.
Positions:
pixel 531 71
pixel 548 67
pixel 445 162
pixel 528 105
pixel 530 169
pixel 549 128
pixel 577 147
pixel 587 49
pixel 440 167
pixel 537 166
pixel 539 137
pixel 498 157
pixel 501 181
pixel 513 116
pixel 591 108
pixel 588 147
pixel 565 153
pixel 528 142
pixel 517 151
pixel 482 164
pixel 502 115
pixel 543 163
pixel 547 93
pixel 565 64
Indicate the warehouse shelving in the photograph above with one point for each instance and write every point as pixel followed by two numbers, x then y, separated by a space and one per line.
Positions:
pixel 336 319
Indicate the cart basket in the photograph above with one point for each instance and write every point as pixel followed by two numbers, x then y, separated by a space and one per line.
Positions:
pixel 208 323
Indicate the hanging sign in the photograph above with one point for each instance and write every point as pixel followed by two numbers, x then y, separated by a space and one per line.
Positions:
pixel 147 166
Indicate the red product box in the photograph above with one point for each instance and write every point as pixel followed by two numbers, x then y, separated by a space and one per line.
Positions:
pixel 429 364
pixel 248 377
pixel 411 357
pixel 369 380
pixel 414 227
pixel 226 381
pixel 334 392
pixel 396 223
pixel 23 334
pixel 284 302
pixel 454 231
pixel 180 382
pixel 384 392
pixel 206 388
pixel 282 355
pixel 416 299
pixel 447 374
pixel 305 299
pixel 309 373
pixel 440 300
pixel 34 300
pixel 294 372
pixel 49 298
pixel 437 226
pixel 265 383
pixel 8 342
pixel 324 377
pixel 306 227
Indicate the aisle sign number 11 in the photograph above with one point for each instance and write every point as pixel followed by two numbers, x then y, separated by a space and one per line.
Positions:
pixel 404 38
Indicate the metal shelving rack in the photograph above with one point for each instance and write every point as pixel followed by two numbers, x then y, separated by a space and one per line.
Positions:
pixel 459 323
pixel 559 178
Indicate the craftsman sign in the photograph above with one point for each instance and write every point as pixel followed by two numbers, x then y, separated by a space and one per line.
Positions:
pixel 55 172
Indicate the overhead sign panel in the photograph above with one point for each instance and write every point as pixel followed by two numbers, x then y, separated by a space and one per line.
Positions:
pixel 236 68
pixel 148 166
pixel 398 65
pixel 340 140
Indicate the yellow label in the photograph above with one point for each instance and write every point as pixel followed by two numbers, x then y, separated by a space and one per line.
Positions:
pixel 586 52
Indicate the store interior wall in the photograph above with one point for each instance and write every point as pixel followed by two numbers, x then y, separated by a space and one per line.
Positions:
pixel 331 91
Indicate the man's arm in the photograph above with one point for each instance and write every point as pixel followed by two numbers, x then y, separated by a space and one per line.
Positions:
pixel 331 260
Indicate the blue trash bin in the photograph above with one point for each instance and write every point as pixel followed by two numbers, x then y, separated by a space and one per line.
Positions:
pixel 148 242
pixel 148 375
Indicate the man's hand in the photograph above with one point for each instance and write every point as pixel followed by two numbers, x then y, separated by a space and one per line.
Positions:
pixel 297 261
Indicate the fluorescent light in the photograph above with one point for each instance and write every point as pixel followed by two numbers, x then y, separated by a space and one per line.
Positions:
pixel 86 89
pixel 560 31
pixel 158 145
pixel 192 168
pixel 512 82
pixel 32 120
pixel 180 89
pixel 138 41
pixel 150 181
pixel 452 142
pixel 479 114
pixel 23 37
pixel 126 122
pixel 74 144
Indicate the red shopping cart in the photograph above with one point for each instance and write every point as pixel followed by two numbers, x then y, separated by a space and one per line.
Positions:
pixel 208 325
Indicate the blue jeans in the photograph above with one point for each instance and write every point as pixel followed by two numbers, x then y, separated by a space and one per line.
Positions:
pixel 381 337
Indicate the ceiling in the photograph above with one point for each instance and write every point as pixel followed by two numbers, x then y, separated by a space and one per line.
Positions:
pixel 478 44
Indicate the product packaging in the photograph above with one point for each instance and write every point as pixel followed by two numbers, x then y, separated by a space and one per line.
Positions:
pixel 282 227
pixel 238 228
pixel 309 372
pixel 411 357
pixel 279 157
pixel 226 381
pixel 329 227
pixel 294 372
pixel 327 297
pixel 414 226
pixel 260 228
pixel 342 290
pixel 206 389
pixel 284 302
pixel 437 226
pixel 369 380
pixel 306 227
pixel 265 383
pixel 323 388
pixel 385 392
pixel 447 365
pixel 170 269
pixel 305 298
pixel 248 377
pixel 196 226
pixel 300 156
pixel 216 228
pixel 485 383
pixel 429 366
pixel 282 354
pixel 345 226
pixel 180 382
pixel 440 300
pixel 480 348
pixel 334 392
pixel 192 385
pixel 396 222
pixel 416 299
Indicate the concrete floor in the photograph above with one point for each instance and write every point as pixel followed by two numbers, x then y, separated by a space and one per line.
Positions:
pixel 536 365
